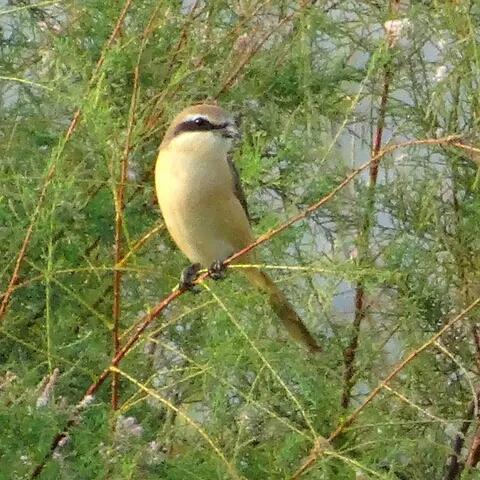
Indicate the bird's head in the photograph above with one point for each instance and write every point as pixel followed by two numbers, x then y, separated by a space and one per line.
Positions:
pixel 202 126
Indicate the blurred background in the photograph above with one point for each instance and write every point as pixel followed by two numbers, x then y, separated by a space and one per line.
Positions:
pixel 214 388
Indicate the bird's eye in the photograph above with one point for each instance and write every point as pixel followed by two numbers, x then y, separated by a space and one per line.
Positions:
pixel 201 122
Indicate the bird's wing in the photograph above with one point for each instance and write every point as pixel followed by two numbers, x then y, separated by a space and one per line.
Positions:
pixel 237 186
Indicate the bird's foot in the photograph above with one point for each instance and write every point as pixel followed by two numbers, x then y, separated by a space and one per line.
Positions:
pixel 217 270
pixel 188 277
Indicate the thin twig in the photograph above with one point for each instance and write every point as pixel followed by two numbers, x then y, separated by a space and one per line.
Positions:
pixel 139 244
pixel 119 208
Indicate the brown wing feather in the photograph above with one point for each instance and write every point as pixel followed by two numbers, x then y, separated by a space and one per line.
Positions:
pixel 237 186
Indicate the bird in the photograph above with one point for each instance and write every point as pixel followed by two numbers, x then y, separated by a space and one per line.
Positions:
pixel 204 206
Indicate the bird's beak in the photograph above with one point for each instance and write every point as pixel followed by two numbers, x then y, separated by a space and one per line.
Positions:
pixel 231 131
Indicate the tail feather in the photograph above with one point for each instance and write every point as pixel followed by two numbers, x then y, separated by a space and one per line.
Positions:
pixel 283 309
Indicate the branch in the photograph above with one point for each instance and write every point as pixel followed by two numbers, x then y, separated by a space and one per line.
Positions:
pixel 119 208
pixel 363 238
pixel 474 453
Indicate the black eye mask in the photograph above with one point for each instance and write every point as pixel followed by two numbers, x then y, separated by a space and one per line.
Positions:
pixel 199 124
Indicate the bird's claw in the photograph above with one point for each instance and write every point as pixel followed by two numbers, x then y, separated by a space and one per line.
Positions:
pixel 217 270
pixel 188 277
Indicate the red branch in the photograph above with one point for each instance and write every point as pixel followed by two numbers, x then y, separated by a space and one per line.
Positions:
pixel 119 208
pixel 474 452
pixel 363 240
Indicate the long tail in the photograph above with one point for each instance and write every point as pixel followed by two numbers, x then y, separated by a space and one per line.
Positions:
pixel 283 309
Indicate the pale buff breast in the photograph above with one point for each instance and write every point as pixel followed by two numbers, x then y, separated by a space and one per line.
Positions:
pixel 201 212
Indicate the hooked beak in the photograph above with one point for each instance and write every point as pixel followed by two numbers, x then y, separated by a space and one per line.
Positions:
pixel 231 131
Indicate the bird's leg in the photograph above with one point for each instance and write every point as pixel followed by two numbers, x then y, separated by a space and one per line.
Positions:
pixel 217 270
pixel 188 276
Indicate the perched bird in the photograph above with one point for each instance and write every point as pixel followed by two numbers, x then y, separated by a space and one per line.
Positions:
pixel 204 207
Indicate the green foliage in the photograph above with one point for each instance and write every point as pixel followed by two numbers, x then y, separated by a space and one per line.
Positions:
pixel 215 388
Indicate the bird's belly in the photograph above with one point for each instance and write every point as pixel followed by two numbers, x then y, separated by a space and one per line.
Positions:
pixel 207 225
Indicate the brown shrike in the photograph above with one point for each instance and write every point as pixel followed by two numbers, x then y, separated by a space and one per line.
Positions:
pixel 204 207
